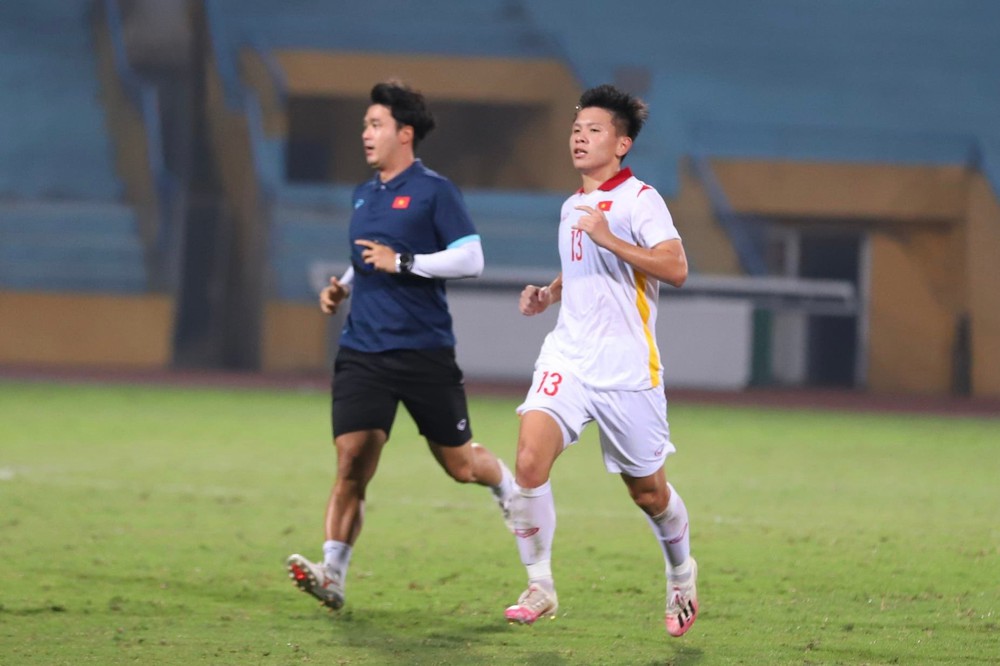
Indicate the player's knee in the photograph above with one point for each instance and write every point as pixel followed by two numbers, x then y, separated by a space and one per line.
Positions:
pixel 348 488
pixel 527 476
pixel 650 500
pixel 530 470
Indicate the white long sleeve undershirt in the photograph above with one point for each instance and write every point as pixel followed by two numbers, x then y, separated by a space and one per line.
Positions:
pixel 460 261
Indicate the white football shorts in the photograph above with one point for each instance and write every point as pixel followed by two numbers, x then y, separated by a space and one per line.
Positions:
pixel 634 433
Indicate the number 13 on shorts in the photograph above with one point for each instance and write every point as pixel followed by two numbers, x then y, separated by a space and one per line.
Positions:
pixel 548 382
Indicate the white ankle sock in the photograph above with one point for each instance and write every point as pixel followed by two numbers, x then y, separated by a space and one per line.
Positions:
pixel 680 573
pixel 337 557
pixel 540 574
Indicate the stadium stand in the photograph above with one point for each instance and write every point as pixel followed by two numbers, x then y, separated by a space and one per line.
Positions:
pixel 70 246
pixel 309 220
pixel 482 28
pixel 63 221
pixel 717 76
pixel 56 142
pixel 867 82
pixel 862 128
pixel 754 109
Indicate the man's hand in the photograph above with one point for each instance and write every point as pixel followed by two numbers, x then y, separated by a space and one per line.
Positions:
pixel 534 300
pixel 378 256
pixel 332 296
pixel 595 225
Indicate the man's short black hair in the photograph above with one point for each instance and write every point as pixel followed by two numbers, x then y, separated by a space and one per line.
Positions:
pixel 629 112
pixel 406 105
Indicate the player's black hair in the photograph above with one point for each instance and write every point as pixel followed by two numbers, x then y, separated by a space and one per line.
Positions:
pixel 629 112
pixel 406 105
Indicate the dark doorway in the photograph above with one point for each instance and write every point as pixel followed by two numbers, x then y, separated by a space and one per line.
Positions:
pixel 833 340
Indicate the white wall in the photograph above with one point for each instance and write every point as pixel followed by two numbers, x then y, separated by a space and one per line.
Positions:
pixel 705 342
pixel 789 343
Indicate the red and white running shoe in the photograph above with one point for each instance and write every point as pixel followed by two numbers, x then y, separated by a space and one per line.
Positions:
pixel 535 602
pixel 314 579
pixel 682 604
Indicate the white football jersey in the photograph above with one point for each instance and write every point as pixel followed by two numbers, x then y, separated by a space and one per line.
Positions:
pixel 606 331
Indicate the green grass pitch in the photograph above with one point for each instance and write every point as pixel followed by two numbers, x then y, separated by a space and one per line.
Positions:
pixel 149 525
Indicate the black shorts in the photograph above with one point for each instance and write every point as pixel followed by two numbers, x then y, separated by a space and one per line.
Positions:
pixel 368 387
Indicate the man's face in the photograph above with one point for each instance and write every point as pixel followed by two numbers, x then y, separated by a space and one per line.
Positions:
pixel 380 137
pixel 594 142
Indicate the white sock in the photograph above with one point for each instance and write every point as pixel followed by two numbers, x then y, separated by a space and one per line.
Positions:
pixel 671 530
pixel 507 486
pixel 534 516
pixel 540 573
pixel 336 558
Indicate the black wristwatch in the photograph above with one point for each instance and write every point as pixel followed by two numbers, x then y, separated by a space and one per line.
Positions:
pixel 404 262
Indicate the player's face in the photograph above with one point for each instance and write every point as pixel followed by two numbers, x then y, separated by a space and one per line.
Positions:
pixel 594 142
pixel 381 137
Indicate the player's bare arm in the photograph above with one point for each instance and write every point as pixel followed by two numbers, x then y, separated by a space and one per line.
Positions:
pixel 332 296
pixel 665 261
pixel 535 299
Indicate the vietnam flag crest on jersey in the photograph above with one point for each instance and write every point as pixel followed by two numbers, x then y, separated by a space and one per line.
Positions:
pixel 604 205
pixel 401 202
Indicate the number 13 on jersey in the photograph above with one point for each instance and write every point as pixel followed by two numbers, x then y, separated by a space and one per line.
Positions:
pixel 576 245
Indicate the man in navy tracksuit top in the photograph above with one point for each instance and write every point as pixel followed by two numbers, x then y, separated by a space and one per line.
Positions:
pixel 410 231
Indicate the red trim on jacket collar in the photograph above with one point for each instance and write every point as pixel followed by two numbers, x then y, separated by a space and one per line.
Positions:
pixel 614 181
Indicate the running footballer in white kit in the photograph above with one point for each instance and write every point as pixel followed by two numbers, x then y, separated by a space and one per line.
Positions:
pixel 617 242
pixel 604 343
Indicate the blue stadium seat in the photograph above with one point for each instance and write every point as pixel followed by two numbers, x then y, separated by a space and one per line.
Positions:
pixel 55 138
pixel 908 81
pixel 70 247
pixel 905 81
pixel 63 226
pixel 481 28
